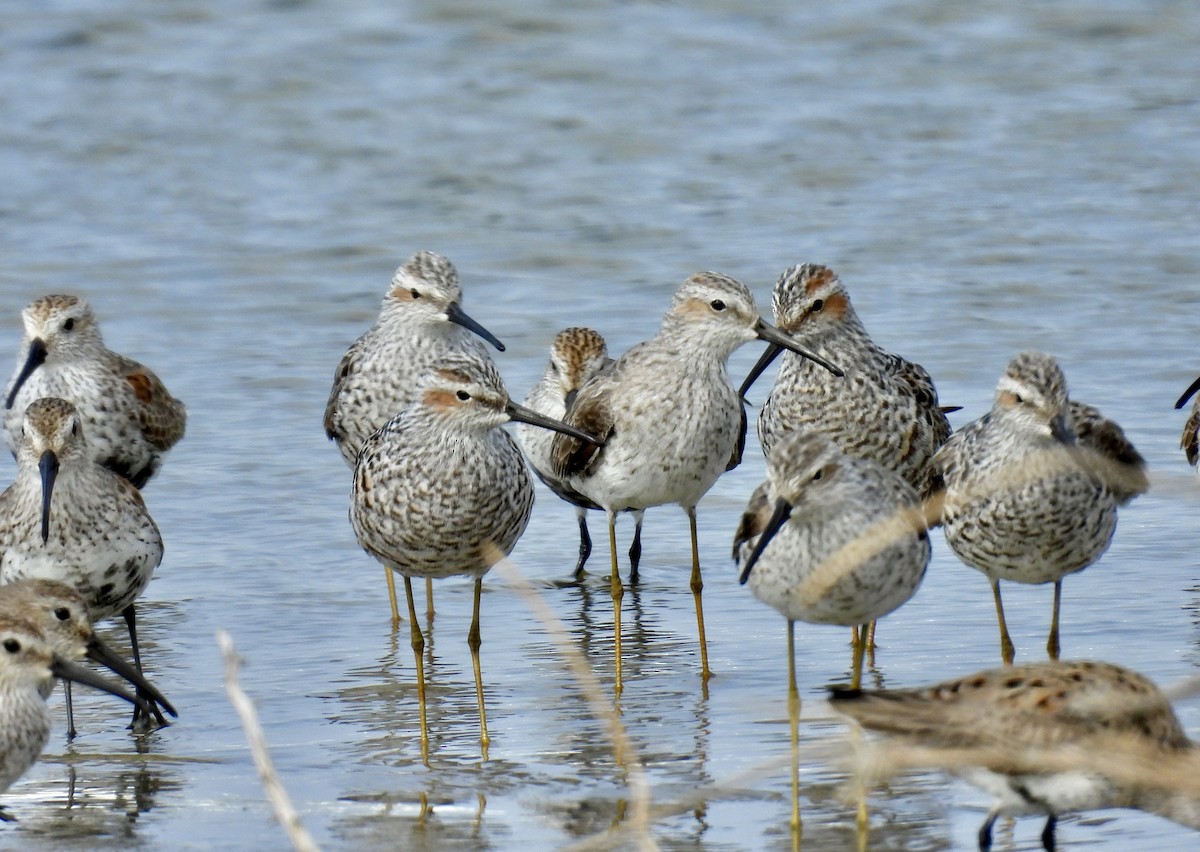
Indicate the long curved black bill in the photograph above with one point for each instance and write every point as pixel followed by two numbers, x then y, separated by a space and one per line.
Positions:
pixel 73 672
pixel 100 653
pixel 525 415
pixel 455 313
pixel 37 357
pixel 783 511
pixel 1187 394
pixel 771 334
pixel 770 354
pixel 48 465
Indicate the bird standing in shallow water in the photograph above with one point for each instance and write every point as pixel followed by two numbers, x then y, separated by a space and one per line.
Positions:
pixel 576 355
pixel 1033 486
pixel 670 418
pixel 829 539
pixel 68 519
pixel 28 666
pixel 442 490
pixel 885 408
pixel 1049 738
pixel 1189 442
pixel 421 320
pixel 130 418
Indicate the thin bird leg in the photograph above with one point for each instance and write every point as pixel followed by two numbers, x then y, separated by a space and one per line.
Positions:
pixel 585 543
pixel 391 581
pixel 794 721
pixel 635 549
pixel 618 592
pixel 697 588
pixel 985 832
pixel 1007 652
pixel 429 597
pixel 418 646
pixel 130 616
pixel 70 710
pixel 1048 833
pixel 860 650
pixel 871 636
pixel 473 642
pixel 1052 646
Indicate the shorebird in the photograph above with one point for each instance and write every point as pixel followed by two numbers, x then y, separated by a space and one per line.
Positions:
pixel 1044 738
pixel 28 666
pixel 67 518
pixel 829 539
pixel 130 417
pixel 885 409
pixel 421 319
pixel 442 490
pixel 1033 486
pixel 670 418
pixel 576 355
pixel 61 613
pixel 1190 440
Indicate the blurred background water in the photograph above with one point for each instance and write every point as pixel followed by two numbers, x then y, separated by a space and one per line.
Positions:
pixel 232 184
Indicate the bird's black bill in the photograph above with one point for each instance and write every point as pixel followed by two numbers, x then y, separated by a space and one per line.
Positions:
pixel 100 653
pixel 1187 394
pixel 525 415
pixel 456 314
pixel 70 671
pixel 771 334
pixel 783 511
pixel 770 354
pixel 48 465
pixel 37 357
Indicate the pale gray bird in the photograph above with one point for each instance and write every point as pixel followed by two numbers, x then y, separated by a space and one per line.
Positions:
pixel 670 418
pixel 1033 486
pixel 130 418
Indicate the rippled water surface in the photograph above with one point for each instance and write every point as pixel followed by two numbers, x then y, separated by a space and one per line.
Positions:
pixel 232 184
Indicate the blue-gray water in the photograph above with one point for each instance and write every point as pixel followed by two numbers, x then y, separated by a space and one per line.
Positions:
pixel 232 184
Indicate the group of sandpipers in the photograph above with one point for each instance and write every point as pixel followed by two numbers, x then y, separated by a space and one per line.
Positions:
pixel 861 463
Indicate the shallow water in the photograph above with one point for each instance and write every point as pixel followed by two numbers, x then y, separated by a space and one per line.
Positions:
pixel 232 185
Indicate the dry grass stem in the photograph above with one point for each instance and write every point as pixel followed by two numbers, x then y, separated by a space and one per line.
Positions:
pixel 281 804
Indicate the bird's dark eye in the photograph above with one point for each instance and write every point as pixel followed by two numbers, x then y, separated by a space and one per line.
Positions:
pixel 717 305
pixel 817 305
pixel 62 613
pixel 74 427
pixel 12 646
pixel 69 324
pixel 415 293
pixel 817 476
pixel 463 395
pixel 1018 399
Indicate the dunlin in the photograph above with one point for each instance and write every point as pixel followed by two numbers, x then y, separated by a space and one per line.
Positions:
pixel 61 613
pixel 670 417
pixel 442 490
pixel 1190 440
pixel 576 355
pixel 1033 486
pixel 829 539
pixel 421 319
pixel 1044 738
pixel 130 418
pixel 67 518
pixel 885 409
pixel 28 666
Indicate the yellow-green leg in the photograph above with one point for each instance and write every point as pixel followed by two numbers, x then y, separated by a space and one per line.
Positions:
pixel 860 650
pixel 429 597
pixel 418 646
pixel 794 722
pixel 1007 652
pixel 473 642
pixel 697 589
pixel 618 592
pixel 1052 646
pixel 391 581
